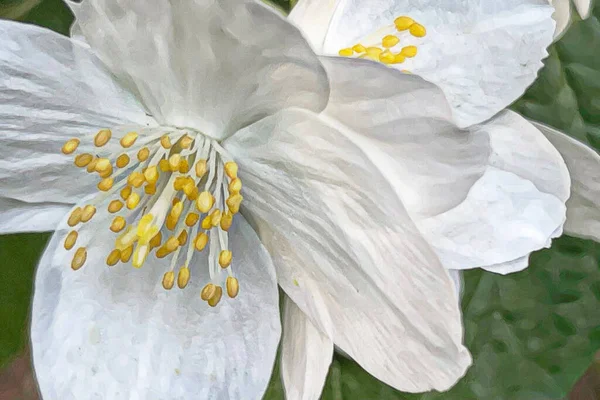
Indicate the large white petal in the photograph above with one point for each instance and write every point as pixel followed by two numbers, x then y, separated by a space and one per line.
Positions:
pixel 51 90
pixel 482 53
pixel 210 65
pixel 306 354
pixel 483 196
pixel 583 207
pixel 562 16
pixel 313 18
pixel 346 251
pixel 17 216
pixel 115 333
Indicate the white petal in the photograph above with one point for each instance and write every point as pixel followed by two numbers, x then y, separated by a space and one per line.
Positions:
pixel 583 207
pixel 313 18
pixel 115 333
pixel 346 251
pixel 584 7
pixel 514 209
pixel 306 354
pixel 482 53
pixel 17 216
pixel 477 195
pixel 221 64
pixel 562 16
pixel 456 276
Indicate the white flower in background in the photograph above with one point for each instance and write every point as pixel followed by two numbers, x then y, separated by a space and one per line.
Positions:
pixel 483 55
pixel 562 13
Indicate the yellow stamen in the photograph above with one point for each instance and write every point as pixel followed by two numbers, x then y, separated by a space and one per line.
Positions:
pixel 129 139
pixel 164 165
pixel 216 297
pixel 235 186
pixel 226 221
pixel 150 189
pixel 103 164
pixel 136 179
pixel 225 258
pixel 102 137
pixel 82 160
pixel 201 168
pixel 390 41
pixel 106 184
pixel 156 240
pixel 70 146
pixel 70 240
pixel 139 255
pixel 201 241
pixel 215 217
pixel 186 142
pixel 126 254
pixel 151 174
pixel 231 169
pixel 387 57
pixel 206 223
pixel 403 23
pixel 171 222
pixel 183 277
pixel 182 238
pixel 174 161
pixel 417 30
pixel 122 161
pixel 374 52
pixel 359 48
pixel 165 142
pixel 79 258
pixel 346 52
pixel 171 244
pixel 168 280
pixel 233 202
pixel 87 213
pixel 126 192
pixel 184 166
pixel 115 206
pixel 133 200
pixel 191 219
pixel 143 154
pixel 92 165
pixel 118 224
pixel 409 51
pixel 204 202
pixel 208 291
pixel 75 217
pixel 233 287
pixel 399 58
pixel 113 258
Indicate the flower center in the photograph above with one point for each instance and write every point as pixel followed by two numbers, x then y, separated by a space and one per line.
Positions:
pixel 386 45
pixel 173 192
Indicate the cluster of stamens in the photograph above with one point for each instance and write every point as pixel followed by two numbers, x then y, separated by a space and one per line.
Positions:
pixel 183 191
pixel 389 50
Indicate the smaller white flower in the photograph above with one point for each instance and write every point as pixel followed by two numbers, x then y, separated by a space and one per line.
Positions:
pixel 562 13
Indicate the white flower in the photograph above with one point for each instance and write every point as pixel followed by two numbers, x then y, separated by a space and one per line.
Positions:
pixel 562 13
pixel 154 92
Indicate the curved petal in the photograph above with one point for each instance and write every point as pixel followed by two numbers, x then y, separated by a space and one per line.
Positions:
pixel 347 253
pixel 584 7
pixel 306 354
pixel 115 333
pixel 583 207
pixel 456 276
pixel 51 90
pixel 562 16
pixel 474 194
pixel 17 216
pixel 482 53
pixel 313 18
pixel 222 64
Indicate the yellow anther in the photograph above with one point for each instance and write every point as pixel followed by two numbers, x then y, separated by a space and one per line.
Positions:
pixel 204 202
pixel 387 57
pixel 126 192
pixel 171 223
pixel 136 179
pixel 171 244
pixel 233 287
pixel 216 297
pixel 102 137
pixel 165 142
pixel 201 241
pixel 233 202
pixel 87 213
pixel 374 52
pixel 139 255
pixel 190 190
pixel 235 185
pixel 347 52
pixel 191 219
pixel 226 220
pixel 175 201
pixel 102 164
pixel 115 206
pixel 118 224
pixel 417 30
pixel 186 142
pixel 79 258
pixel 174 161
pixel 126 238
pixel 163 165
pixel 179 183
pixel 126 254
pixel 201 168
pixel 92 165
pixel 143 154
pixel 162 252
pixel 409 51
pixel 129 139
pixel 70 240
pixel 183 277
pixel 399 58
pixel 390 41
pixel 231 169
pixel 150 189
pixel 177 209
pixel 122 161
pixel 107 172
pixel 75 217
pixel 133 200
pixel 184 166
pixel 359 48
pixel 215 217
pixel 150 233
pixel 206 222
pixel 168 280
pixel 70 146
pixel 208 291
pixel 84 159
pixel 113 258
pixel 182 238
pixel 225 258
pixel 106 184
pixel 144 225
pixel 403 23
pixel 151 174
pixel 156 240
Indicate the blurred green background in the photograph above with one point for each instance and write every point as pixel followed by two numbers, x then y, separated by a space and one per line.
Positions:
pixel 533 335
